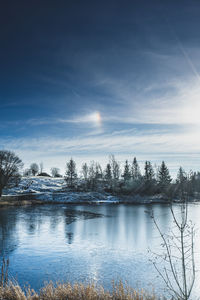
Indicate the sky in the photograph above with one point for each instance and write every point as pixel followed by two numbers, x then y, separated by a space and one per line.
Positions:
pixel 86 79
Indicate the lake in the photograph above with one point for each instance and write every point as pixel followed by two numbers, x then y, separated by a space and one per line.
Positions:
pixel 87 243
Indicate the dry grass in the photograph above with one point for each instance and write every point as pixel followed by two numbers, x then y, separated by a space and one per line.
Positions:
pixel 18 201
pixel 73 292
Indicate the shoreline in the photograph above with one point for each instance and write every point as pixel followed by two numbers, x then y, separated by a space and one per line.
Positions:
pixel 85 198
pixel 45 190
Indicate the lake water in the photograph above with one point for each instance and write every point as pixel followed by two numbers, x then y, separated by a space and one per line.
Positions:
pixel 87 243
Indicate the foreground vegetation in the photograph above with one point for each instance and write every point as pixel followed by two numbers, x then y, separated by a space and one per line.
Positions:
pixel 66 291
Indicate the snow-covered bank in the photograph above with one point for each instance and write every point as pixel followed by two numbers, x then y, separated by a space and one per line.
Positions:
pixel 54 190
pixel 74 197
pixel 47 189
pixel 36 185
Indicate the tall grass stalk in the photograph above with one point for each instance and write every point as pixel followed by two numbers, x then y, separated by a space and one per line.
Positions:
pixel 67 291
pixel 4 273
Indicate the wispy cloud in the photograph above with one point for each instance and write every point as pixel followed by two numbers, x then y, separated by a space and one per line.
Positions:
pixel 180 107
pixel 122 143
pixel 90 118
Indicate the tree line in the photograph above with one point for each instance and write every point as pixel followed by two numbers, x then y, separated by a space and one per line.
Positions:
pixel 115 179
pixel 130 180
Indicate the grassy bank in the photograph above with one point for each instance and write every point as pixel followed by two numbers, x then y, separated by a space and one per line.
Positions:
pixel 18 200
pixel 4 203
pixel 73 292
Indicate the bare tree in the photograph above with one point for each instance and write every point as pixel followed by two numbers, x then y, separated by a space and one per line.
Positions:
pixel 92 175
pixel 71 174
pixel 27 173
pixel 115 167
pixel 34 168
pixel 41 167
pixel 98 171
pixel 55 172
pixel 10 165
pixel 85 171
pixel 177 260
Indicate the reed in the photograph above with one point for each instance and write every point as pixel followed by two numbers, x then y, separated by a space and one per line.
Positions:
pixel 67 291
pixel 4 273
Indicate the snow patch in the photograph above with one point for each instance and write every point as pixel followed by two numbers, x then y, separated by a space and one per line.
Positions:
pixel 49 189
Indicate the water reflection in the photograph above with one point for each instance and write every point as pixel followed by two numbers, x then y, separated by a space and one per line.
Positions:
pixel 69 237
pixel 8 235
pixel 83 242
pixel 123 226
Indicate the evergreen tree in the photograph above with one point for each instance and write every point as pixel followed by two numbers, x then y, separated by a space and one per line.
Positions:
pixel 149 186
pixel 135 170
pixel 181 176
pixel 149 172
pixel 197 181
pixel 98 171
pixel 164 177
pixel 108 173
pixel 191 182
pixel 182 183
pixel 71 174
pixel 127 173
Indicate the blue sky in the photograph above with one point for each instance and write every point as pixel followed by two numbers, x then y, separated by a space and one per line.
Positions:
pixel 90 78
